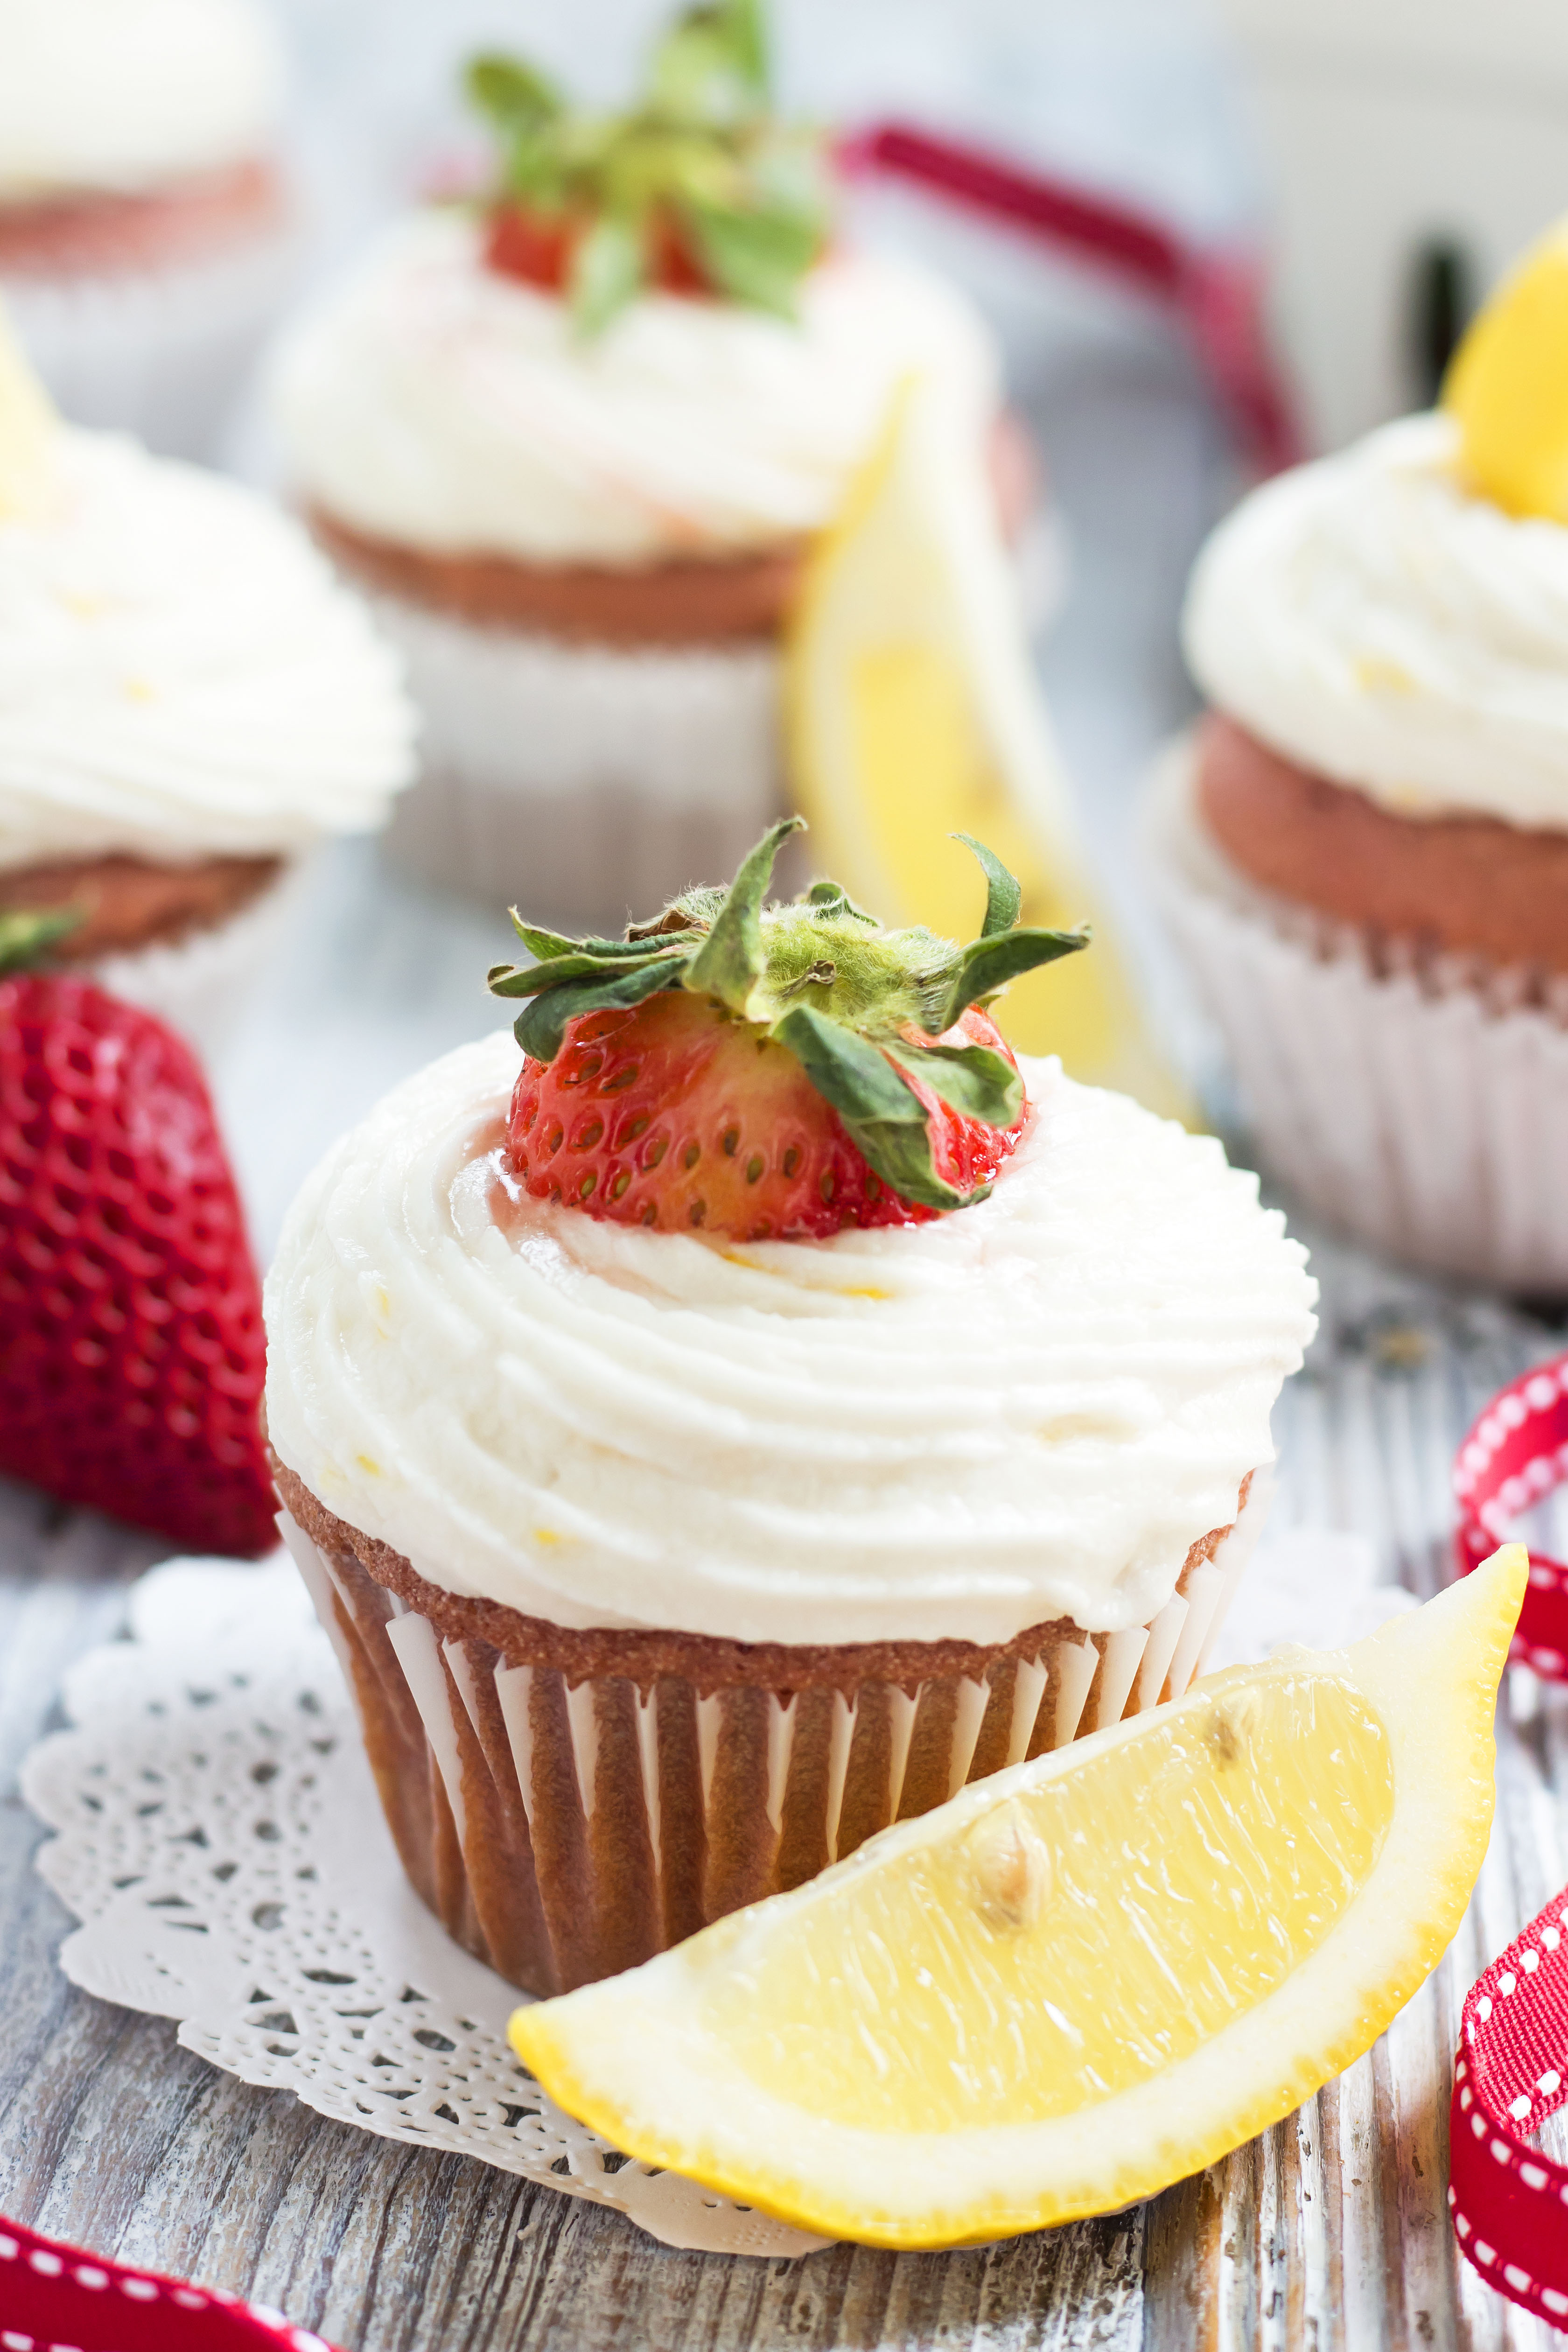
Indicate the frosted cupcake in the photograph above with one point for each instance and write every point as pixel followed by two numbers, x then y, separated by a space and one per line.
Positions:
pixel 760 1410
pixel 189 701
pixel 1366 852
pixel 577 446
pixel 144 223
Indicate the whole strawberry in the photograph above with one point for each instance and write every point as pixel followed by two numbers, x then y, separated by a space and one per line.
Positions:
pixel 770 1072
pixel 132 1351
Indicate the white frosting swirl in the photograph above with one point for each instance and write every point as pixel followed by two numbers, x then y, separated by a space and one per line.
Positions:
pixel 106 95
pixel 181 674
pixel 960 1429
pixel 437 404
pixel 1371 620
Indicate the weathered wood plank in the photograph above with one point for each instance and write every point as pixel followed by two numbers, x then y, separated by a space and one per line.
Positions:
pixel 1329 2232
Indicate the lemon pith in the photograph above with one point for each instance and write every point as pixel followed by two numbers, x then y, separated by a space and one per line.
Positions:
pixel 1084 1977
pixel 1504 386
pixel 911 712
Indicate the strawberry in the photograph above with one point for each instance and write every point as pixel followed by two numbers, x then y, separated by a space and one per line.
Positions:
pixel 132 1351
pixel 769 1072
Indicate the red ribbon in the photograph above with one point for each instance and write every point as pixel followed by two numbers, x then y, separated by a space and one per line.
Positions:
pixel 56 2298
pixel 1509 2202
pixel 1515 1455
pixel 1218 293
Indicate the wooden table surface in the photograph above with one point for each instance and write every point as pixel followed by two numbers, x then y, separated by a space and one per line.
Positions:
pixel 1329 2231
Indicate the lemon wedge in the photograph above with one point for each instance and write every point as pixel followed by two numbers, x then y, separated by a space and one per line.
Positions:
pixel 1507 387
pixel 1084 1977
pixel 28 431
pixel 911 712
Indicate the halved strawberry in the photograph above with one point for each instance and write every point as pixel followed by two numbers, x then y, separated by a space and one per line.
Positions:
pixel 540 250
pixel 769 1072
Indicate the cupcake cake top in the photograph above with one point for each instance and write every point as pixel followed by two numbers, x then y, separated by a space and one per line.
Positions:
pixel 122 95
pixel 1375 619
pixel 181 675
pixel 766 1304
pixel 640 346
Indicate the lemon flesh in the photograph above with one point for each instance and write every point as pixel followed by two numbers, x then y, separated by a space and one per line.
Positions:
pixel 1084 1977
pixel 911 712
pixel 28 432
pixel 1507 387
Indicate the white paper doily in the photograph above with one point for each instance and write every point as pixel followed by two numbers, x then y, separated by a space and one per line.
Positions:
pixel 219 1837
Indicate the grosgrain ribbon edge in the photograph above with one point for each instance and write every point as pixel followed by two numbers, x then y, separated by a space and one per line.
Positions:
pixel 54 2295
pixel 1516 1452
pixel 1507 2203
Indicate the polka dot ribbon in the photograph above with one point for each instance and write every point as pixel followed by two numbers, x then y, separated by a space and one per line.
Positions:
pixel 54 2298
pixel 1509 2202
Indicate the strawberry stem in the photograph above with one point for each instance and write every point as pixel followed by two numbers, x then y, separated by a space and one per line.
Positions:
pixel 877 995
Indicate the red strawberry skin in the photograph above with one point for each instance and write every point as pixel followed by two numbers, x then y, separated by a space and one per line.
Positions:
pixel 677 1117
pixel 131 1349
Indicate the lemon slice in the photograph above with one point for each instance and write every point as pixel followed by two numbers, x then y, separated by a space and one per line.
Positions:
pixel 1508 386
pixel 28 432
pixel 1084 1977
pixel 912 711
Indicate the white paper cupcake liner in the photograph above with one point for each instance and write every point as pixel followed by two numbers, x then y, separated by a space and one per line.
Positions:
pixel 162 352
pixel 561 1833
pixel 201 984
pixel 1420 1103
pixel 587 782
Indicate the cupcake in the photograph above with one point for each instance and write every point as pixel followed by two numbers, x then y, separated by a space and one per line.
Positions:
pixel 1365 850
pixel 576 444
pixel 758 1411
pixel 189 701
pixel 145 235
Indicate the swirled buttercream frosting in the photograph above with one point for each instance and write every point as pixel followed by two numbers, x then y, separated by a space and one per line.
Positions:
pixel 437 404
pixel 181 674
pixel 122 95
pixel 1375 622
pixel 1026 1409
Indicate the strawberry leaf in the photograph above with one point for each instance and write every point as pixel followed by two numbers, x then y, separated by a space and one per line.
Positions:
pixel 882 1115
pixel 828 901
pixel 540 1027
pixel 988 965
pixel 728 963
pixel 606 272
pixel 712 66
pixel 1003 896
pixel 973 1080
pixel 548 945
pixel 519 100
pixel 754 255
pixel 534 979
pixel 28 934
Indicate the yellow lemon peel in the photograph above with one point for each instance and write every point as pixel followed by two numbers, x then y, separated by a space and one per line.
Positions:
pixel 911 712
pixel 29 433
pixel 1507 387
pixel 1084 1977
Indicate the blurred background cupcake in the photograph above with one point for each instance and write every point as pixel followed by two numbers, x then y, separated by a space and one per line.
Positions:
pixel 146 241
pixel 576 439
pixel 189 701
pixel 1365 850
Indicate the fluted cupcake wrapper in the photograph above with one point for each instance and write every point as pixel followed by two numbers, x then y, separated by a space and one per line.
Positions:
pixel 201 984
pixel 1420 1102
pixel 584 780
pixel 163 352
pixel 563 1832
